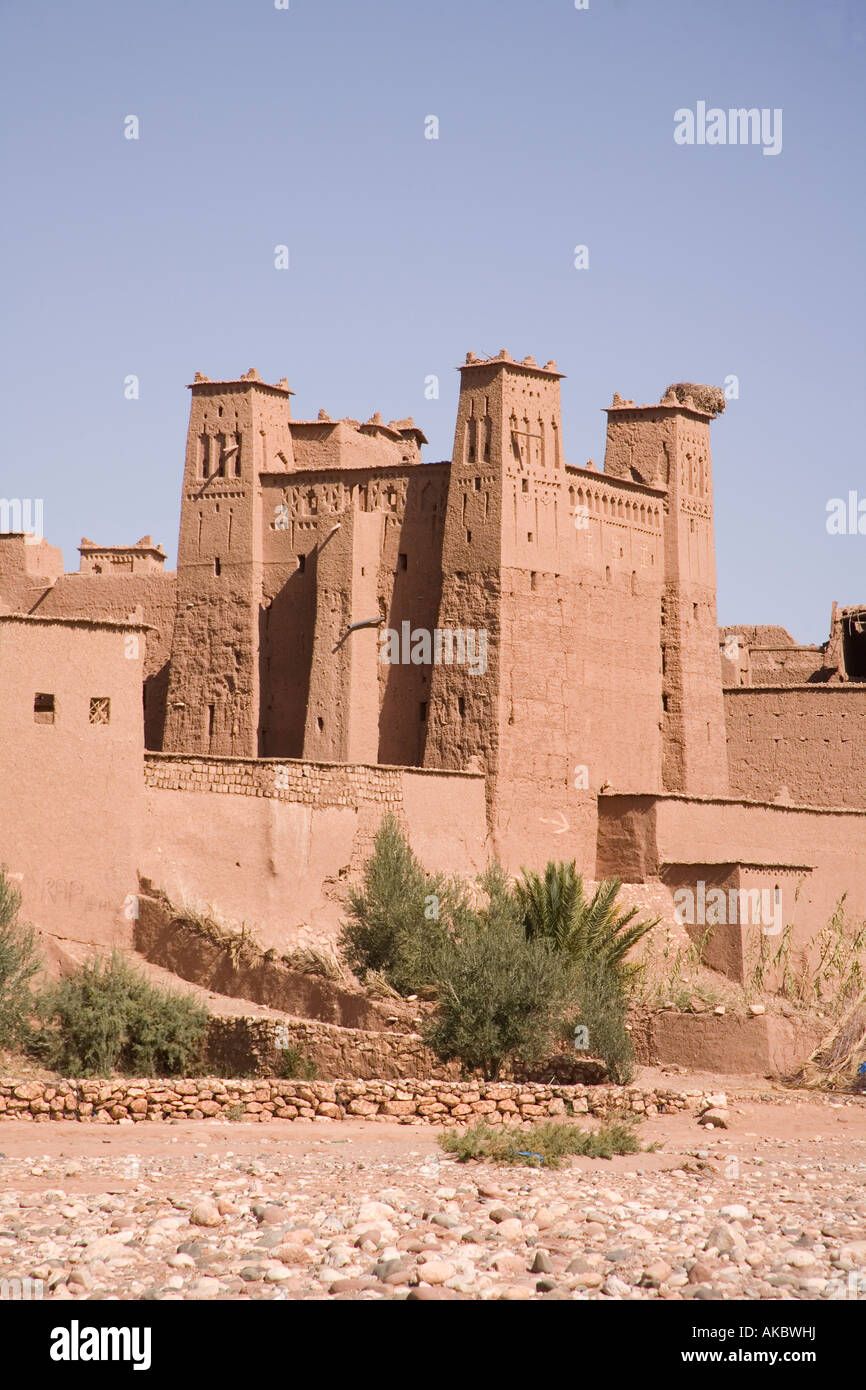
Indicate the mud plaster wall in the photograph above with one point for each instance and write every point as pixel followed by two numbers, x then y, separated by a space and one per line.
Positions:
pixel 276 843
pixel 809 740
pixel 823 851
pixel 149 598
pixel 71 808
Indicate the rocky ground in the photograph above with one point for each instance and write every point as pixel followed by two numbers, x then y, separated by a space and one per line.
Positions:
pixel 771 1207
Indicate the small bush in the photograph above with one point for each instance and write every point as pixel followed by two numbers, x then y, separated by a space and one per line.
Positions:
pixel 546 1143
pixel 106 1017
pixel 19 963
pixel 501 995
pixel 294 1066
pixel 397 920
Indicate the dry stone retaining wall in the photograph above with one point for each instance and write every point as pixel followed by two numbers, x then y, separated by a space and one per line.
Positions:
pixel 252 1047
pixel 405 1102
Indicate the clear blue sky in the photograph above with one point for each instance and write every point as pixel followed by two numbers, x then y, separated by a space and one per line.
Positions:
pixel 306 127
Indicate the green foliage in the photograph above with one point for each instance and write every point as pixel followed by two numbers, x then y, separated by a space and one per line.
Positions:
pixel 596 936
pixel 106 1017
pixel 295 1066
pixel 601 1006
pixel 397 920
pixel 501 995
pixel 547 1143
pixel 587 930
pixel 508 975
pixel 19 963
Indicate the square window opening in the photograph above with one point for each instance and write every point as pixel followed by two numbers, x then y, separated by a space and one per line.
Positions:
pixel 43 708
pixel 100 709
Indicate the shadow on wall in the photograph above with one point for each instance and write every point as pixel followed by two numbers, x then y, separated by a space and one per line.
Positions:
pixel 286 626
pixel 155 695
pixel 416 598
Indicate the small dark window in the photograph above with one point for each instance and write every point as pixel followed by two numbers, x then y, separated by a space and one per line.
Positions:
pixel 468 537
pixel 524 485
pixel 302 563
pixel 461 705
pixel 695 611
pixel 43 709
pixel 211 720
pixel 529 535
pixel 217 567
pixel 477 484
pixel 422 711
pixel 404 561
pixel 320 723
pixel 100 709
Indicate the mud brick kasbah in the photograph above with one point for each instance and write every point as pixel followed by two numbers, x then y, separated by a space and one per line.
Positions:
pixel 512 654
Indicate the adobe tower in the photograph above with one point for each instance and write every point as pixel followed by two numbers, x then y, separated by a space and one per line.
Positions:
pixel 237 430
pixel 669 445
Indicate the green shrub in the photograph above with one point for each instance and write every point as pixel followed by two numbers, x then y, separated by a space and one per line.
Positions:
pixel 600 1005
pixel 294 1066
pixel 105 1017
pixel 546 1143
pixel 500 994
pixel 19 963
pixel 596 936
pixel 397 920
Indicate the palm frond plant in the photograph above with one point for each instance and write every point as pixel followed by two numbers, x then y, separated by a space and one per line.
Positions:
pixel 595 936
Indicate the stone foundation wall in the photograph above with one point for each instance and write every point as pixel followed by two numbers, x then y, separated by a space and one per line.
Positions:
pixel 403 1102
pixel 254 1047
pixel 244 1046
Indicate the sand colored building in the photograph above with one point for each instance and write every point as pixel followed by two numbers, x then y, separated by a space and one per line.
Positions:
pixel 516 655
